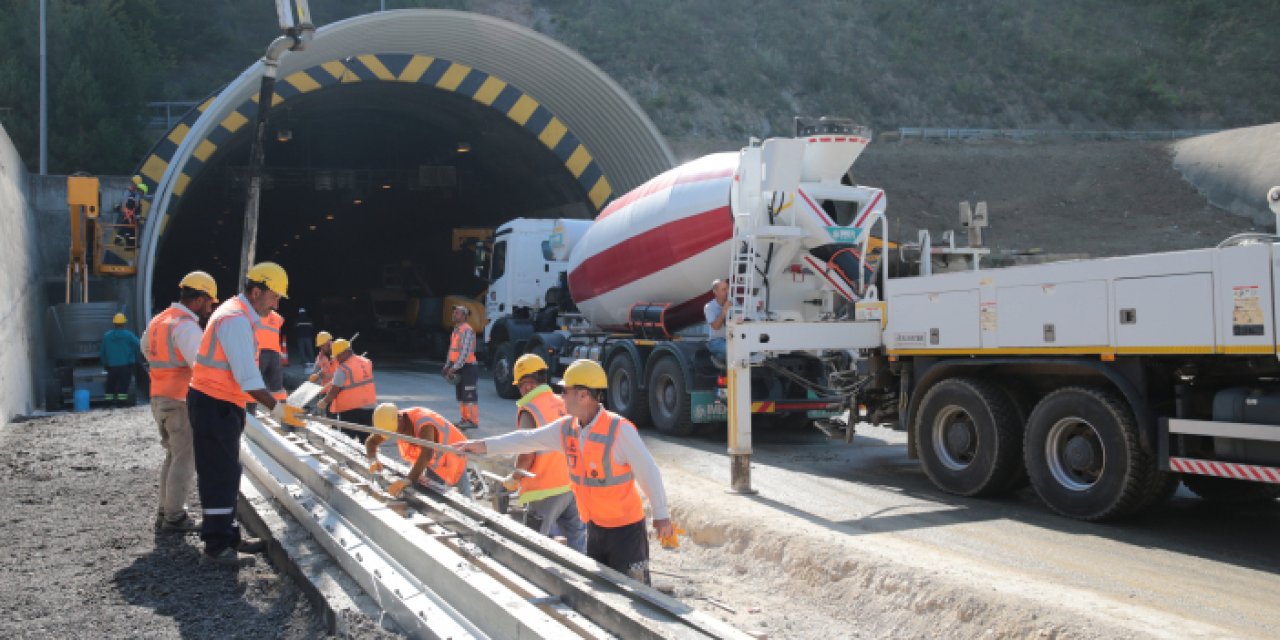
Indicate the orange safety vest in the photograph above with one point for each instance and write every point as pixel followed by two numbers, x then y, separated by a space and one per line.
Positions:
pixel 455 343
pixel 551 472
pixel 211 374
pixel 446 465
pixel 325 366
pixel 267 332
pixel 170 373
pixel 358 391
pixel 605 495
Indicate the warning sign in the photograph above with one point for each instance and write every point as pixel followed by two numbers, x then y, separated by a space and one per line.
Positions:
pixel 987 317
pixel 1247 317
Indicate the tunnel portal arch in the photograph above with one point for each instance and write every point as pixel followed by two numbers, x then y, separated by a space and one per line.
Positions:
pixel 602 140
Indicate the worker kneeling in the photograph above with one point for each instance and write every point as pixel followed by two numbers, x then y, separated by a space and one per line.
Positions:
pixel 424 424
pixel 548 494
pixel 606 459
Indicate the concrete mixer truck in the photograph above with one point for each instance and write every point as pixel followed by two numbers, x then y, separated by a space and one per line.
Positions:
pixel 628 289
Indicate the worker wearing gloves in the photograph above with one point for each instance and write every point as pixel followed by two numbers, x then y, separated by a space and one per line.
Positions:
pixel 606 459
pixel 462 363
pixel 118 352
pixel 224 379
pixel 171 341
pixel 548 493
pixel 267 332
pixel 322 370
pixel 423 423
pixel 352 395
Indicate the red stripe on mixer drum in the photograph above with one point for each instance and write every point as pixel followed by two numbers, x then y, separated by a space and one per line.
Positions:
pixel 649 252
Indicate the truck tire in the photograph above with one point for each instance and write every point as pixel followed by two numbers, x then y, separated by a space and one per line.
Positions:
pixel 1229 491
pixel 625 396
pixel 968 436
pixel 1083 457
pixel 669 398
pixel 504 358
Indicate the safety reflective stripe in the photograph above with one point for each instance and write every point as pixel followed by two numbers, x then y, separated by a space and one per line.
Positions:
pixel 608 479
pixel 175 361
pixel 352 376
pixel 538 418
pixel 219 512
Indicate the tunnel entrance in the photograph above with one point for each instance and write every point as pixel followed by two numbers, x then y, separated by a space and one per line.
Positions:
pixel 364 185
pixel 386 134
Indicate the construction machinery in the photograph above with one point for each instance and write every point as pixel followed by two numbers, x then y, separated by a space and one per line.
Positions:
pixel 1102 383
pixel 76 326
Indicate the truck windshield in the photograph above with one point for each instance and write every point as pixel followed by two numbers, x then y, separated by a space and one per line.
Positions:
pixel 498 262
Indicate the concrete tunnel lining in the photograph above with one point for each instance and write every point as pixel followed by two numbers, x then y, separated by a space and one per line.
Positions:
pixel 621 141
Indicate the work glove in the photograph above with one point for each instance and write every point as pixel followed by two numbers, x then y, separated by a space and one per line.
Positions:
pixel 397 488
pixel 315 377
pixel 668 533
pixel 375 466
pixel 510 483
pixel 286 414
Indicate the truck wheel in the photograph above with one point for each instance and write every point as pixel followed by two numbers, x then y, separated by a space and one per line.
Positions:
pixel 1083 456
pixel 968 435
pixel 1230 491
pixel 625 397
pixel 669 398
pixel 504 357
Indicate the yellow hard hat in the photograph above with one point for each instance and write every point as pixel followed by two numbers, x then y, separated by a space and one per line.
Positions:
pixel 386 416
pixel 586 373
pixel 525 365
pixel 272 275
pixel 323 338
pixel 201 281
pixel 340 346
pixel 137 180
pixel 119 319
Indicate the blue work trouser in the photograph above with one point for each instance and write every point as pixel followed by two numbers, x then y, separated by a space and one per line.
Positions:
pixel 215 429
pixel 561 513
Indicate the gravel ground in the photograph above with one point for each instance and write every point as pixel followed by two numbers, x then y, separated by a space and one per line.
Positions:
pixel 82 560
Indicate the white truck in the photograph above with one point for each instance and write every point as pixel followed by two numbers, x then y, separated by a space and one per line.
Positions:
pixel 1102 382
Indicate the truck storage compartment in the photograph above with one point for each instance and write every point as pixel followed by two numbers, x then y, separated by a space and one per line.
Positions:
pixel 1243 404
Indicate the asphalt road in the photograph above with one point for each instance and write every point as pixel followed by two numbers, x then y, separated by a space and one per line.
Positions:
pixel 1185 568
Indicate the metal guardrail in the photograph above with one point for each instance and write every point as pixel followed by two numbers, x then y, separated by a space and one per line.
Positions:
pixel 166 113
pixel 938 133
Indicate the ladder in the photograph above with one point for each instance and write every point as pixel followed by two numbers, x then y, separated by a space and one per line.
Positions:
pixel 743 298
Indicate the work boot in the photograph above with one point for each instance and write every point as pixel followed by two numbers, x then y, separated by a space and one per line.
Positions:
pixel 228 557
pixel 251 545
pixel 465 425
pixel 185 524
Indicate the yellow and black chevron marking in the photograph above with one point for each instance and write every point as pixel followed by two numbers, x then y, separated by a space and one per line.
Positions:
pixel 439 73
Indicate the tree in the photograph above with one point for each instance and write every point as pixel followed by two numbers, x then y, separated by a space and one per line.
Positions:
pixel 103 65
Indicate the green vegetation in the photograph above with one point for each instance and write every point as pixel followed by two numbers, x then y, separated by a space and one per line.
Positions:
pixel 710 68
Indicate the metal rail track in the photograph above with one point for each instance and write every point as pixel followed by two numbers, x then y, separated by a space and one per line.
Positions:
pixel 442 566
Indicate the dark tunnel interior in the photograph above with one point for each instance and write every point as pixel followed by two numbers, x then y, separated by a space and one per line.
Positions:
pixel 364 185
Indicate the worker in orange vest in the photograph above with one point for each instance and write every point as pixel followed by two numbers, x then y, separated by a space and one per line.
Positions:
pixel 224 378
pixel 170 344
pixel 462 364
pixel 606 460
pixel 267 331
pixel 352 394
pixel 548 494
pixel 423 423
pixel 322 370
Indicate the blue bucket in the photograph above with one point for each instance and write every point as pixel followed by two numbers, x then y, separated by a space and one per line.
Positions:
pixel 80 400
